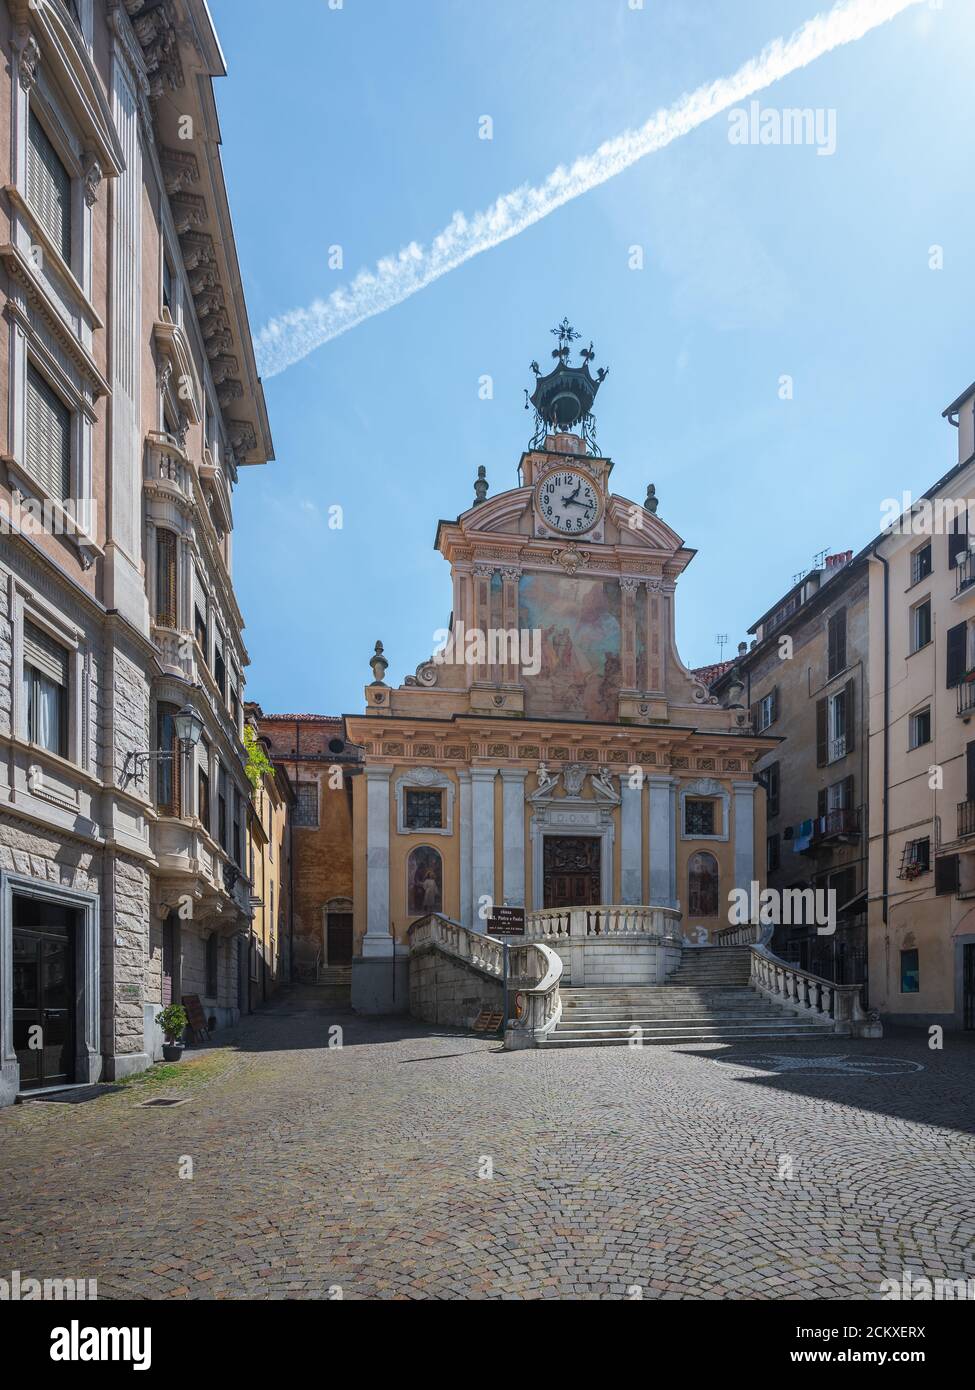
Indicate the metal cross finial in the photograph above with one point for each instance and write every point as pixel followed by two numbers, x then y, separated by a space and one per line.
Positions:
pixel 566 335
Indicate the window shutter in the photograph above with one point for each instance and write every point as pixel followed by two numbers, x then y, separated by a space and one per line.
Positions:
pixel 970 771
pixel 957 539
pixel 822 805
pixel 848 802
pixel 946 874
pixel 822 753
pixel 48 437
pixel 836 643
pixel 166 578
pixel 850 721
pixel 48 187
pixel 45 655
pixel 957 654
pixel 775 704
pixel 754 710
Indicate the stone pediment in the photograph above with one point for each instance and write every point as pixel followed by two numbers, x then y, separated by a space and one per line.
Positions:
pixel 565 785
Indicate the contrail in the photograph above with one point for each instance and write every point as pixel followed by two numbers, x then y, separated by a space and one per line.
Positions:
pixel 291 336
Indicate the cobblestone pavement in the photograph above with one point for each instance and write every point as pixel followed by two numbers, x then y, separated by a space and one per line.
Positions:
pixel 768 1170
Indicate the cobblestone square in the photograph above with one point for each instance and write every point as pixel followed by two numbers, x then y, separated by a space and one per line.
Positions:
pixel 811 1169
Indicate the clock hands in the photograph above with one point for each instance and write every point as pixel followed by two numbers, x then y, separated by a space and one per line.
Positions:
pixel 571 501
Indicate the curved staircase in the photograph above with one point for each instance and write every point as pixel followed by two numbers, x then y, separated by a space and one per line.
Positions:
pixel 708 998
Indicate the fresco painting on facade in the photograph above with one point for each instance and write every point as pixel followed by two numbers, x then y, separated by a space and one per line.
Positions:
pixel 425 871
pixel 579 620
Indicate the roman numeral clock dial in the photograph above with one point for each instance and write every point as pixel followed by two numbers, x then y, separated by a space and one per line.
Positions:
pixel 568 501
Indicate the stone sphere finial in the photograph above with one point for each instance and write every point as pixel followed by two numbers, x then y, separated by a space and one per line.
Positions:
pixel 650 505
pixel 378 663
pixel 480 486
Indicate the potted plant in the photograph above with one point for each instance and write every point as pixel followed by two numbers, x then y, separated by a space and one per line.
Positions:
pixel 172 1020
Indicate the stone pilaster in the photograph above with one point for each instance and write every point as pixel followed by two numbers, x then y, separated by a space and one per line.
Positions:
pixel 663 840
pixel 464 823
pixel 509 600
pixel 513 810
pixel 744 832
pixel 482 851
pixel 628 589
pixel 631 842
pixel 482 614
pixel 378 940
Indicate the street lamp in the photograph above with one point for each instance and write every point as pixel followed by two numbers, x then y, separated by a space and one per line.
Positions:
pixel 189 726
pixel 189 731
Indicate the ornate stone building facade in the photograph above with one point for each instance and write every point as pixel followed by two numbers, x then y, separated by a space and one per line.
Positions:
pixel 130 400
pixel 556 752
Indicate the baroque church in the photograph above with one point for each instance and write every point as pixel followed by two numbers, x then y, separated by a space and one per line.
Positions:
pixel 555 753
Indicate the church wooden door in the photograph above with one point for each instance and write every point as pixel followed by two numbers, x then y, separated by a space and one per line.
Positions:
pixel 572 870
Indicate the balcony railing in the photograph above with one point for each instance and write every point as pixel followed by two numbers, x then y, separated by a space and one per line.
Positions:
pixel 834 825
pixel 965 572
pixel 966 819
pixel 966 697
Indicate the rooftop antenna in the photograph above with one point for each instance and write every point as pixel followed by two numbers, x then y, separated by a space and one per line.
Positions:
pixel 721 638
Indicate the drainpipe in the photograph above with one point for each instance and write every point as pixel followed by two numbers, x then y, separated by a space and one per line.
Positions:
pixel 886 800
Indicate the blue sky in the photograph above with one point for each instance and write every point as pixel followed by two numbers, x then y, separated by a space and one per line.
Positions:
pixel 359 127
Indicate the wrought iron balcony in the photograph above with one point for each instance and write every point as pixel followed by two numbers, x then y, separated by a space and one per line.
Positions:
pixel 966 819
pixel 837 825
pixel 966 697
pixel 965 572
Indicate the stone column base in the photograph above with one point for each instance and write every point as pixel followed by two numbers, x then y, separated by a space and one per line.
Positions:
pixel 381 984
pixel 119 1064
pixel 9 1082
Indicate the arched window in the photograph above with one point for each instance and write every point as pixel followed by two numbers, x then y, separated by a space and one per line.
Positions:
pixel 702 885
pixel 424 880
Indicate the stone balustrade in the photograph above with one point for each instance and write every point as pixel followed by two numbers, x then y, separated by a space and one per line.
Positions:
pixel 534 972
pixel 605 920
pixel 805 993
pixel 747 934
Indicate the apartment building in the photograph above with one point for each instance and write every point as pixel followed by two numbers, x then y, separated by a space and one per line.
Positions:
pixel 922 750
pixel 805 680
pixel 130 404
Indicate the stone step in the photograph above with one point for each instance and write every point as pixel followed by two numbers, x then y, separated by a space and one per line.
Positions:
pixel 718 1020
pixel 672 1039
pixel 697 1029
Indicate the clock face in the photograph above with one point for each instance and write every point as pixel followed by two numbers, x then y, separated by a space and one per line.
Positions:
pixel 568 501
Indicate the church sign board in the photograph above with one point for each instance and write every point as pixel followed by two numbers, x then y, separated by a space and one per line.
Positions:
pixel 507 921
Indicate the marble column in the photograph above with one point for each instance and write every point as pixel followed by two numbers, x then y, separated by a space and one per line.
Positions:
pixel 513 811
pixel 744 815
pixel 466 905
pixel 482 840
pixel 631 842
pixel 663 840
pixel 378 940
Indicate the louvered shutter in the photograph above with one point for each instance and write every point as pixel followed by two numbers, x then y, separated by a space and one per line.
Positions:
pixel 957 654
pixel 166 578
pixel 48 187
pixel 848 803
pixel 970 771
pixel 957 539
pixel 836 643
pixel 48 437
pixel 45 655
pixel 822 753
pixel 946 877
pixel 822 802
pixel 848 701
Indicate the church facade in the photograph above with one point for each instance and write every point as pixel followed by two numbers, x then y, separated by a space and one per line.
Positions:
pixel 555 752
